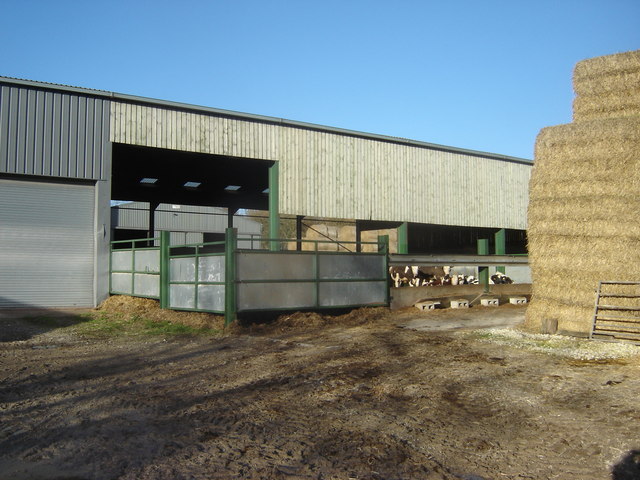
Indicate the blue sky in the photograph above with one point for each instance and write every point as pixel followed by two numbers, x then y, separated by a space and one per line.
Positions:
pixel 478 75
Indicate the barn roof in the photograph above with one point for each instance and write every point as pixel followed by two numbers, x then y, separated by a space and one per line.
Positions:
pixel 258 118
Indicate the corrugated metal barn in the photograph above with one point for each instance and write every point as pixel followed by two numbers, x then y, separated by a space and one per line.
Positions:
pixel 187 223
pixel 66 152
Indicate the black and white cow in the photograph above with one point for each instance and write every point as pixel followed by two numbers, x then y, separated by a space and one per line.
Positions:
pixel 415 276
pixel 499 278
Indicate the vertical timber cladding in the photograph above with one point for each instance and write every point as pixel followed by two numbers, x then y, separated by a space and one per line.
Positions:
pixel 326 172
pixel 46 244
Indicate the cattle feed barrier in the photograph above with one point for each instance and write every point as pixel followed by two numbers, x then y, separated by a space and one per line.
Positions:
pixel 396 259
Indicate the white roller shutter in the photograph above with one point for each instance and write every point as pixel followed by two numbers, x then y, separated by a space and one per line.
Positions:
pixel 46 244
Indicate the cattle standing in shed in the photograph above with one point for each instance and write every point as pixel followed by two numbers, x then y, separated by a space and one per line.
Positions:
pixel 414 276
pixel 500 278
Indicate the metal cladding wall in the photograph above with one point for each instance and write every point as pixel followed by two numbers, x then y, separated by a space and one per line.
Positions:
pixel 326 172
pixel 53 133
pixel 184 218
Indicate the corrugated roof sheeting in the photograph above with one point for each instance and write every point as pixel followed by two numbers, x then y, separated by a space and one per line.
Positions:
pixel 52 133
pixel 326 174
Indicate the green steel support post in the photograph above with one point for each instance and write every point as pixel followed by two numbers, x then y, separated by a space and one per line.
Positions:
pixel 230 304
pixel 483 272
pixel 299 219
pixel 164 269
pixel 403 238
pixel 383 247
pixel 316 274
pixel 501 246
pixel 274 206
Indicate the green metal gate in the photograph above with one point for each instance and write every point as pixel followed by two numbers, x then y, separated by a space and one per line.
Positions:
pixel 219 277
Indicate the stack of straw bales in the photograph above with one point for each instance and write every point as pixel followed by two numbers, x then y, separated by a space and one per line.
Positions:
pixel 584 209
pixel 346 234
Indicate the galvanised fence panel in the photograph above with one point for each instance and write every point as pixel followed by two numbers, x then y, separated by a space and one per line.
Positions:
pixel 197 278
pixel 219 277
pixel 135 271
pixel 282 280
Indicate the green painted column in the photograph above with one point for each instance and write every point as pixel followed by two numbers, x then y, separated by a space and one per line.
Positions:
pixel 383 247
pixel 165 238
pixel 359 237
pixel 483 272
pixel 403 238
pixel 501 246
pixel 383 244
pixel 299 219
pixel 274 205
pixel 230 302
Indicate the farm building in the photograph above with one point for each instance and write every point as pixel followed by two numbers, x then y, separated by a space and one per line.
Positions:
pixel 584 204
pixel 67 152
pixel 187 223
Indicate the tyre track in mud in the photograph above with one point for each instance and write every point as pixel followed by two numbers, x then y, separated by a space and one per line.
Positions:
pixel 364 401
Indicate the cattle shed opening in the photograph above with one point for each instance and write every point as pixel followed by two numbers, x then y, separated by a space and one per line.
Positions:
pixel 160 175
pixel 585 199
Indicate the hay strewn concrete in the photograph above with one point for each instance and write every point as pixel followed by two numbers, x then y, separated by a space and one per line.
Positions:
pixel 585 195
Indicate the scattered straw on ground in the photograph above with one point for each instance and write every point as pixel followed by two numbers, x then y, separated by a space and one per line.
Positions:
pixel 561 346
pixel 150 309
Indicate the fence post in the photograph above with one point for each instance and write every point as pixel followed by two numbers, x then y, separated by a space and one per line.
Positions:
pixel 403 238
pixel 274 206
pixel 383 247
pixel 164 269
pixel 230 303
pixel 483 272
pixel 501 246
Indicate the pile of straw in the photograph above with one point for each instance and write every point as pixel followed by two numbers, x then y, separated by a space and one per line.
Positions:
pixel 343 238
pixel 584 204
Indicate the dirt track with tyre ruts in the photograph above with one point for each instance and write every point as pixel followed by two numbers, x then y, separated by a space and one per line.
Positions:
pixel 315 397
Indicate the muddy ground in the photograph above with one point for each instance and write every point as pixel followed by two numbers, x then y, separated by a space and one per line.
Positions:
pixel 350 397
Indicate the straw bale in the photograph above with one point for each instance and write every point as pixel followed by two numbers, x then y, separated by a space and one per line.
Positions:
pixel 372 236
pixel 612 141
pixel 587 216
pixel 624 103
pixel 571 319
pixel 596 158
pixel 584 199
pixel 610 73
pixel 323 233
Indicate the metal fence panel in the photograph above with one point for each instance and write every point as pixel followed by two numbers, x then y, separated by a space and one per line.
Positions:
pixel 211 297
pixel 264 296
pixel 146 285
pixel 121 260
pixel 147 260
pixel 274 266
pixel 182 269
pixel 182 296
pixel 211 269
pixel 352 293
pixel 345 266
pixel 121 283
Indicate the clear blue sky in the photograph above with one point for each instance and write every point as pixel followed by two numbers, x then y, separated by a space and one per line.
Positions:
pixel 483 75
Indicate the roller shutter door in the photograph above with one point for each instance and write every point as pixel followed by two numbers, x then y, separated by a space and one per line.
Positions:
pixel 46 244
